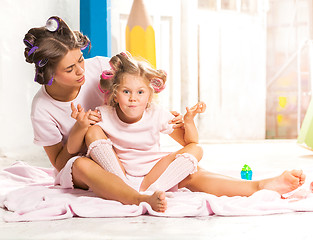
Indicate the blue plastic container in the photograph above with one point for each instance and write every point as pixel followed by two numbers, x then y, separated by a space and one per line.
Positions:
pixel 246 172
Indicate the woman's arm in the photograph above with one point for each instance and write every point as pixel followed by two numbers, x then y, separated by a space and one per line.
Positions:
pixel 177 121
pixel 58 155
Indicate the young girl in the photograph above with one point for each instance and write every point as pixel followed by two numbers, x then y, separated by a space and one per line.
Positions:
pixel 133 124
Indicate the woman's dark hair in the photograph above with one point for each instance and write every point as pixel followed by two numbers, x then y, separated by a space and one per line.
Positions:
pixel 45 47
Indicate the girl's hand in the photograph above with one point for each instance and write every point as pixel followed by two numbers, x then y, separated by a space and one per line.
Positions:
pixel 177 120
pixel 193 111
pixel 81 116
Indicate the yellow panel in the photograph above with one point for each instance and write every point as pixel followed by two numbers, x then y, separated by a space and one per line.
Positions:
pixel 141 43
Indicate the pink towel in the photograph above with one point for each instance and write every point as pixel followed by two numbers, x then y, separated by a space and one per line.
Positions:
pixel 28 194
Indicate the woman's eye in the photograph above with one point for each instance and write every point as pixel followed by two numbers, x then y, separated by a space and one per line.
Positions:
pixel 81 60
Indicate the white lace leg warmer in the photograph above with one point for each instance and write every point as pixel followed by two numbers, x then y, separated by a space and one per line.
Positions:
pixel 183 165
pixel 101 152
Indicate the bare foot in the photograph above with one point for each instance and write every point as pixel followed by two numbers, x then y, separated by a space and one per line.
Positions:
pixel 284 183
pixel 157 201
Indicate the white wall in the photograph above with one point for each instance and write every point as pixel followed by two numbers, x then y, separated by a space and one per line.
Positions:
pixel 232 75
pixel 17 86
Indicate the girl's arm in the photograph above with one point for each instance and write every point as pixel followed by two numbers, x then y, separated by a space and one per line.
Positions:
pixel 76 137
pixel 59 154
pixel 189 134
pixel 191 131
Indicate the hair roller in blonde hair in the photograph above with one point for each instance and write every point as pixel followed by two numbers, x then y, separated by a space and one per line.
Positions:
pixel 107 74
pixel 157 84
pixel 127 55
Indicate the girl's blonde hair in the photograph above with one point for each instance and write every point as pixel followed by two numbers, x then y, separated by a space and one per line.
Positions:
pixel 124 63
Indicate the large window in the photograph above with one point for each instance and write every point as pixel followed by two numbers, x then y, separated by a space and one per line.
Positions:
pixel 245 6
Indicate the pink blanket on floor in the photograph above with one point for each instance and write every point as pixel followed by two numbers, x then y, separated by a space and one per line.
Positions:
pixel 28 194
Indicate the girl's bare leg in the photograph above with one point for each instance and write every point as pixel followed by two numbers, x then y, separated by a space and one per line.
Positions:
pixel 219 185
pixel 160 167
pixel 88 174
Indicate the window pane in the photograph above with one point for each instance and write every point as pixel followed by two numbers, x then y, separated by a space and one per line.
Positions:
pixel 249 6
pixel 228 4
pixel 207 4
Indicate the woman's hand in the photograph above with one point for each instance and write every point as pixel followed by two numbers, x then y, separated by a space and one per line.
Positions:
pixel 177 120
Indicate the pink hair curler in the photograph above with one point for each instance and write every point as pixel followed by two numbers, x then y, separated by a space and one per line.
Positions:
pixel 107 74
pixel 157 84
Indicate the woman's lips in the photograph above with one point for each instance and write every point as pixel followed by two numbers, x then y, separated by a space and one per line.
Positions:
pixel 81 79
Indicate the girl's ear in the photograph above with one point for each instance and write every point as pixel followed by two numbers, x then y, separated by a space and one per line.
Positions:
pixel 150 97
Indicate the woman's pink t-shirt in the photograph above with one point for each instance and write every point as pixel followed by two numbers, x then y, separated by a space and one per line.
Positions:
pixel 51 119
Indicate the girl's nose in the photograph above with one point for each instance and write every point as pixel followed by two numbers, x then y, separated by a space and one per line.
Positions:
pixel 132 98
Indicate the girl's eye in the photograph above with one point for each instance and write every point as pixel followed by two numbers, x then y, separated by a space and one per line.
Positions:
pixel 126 91
pixel 140 92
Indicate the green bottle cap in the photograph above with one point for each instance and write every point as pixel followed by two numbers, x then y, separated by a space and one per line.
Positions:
pixel 246 168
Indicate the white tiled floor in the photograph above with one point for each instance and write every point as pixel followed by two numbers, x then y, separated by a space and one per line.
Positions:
pixel 263 156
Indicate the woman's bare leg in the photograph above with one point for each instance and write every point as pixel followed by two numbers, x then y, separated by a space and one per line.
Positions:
pixel 88 174
pixel 219 185
pixel 284 183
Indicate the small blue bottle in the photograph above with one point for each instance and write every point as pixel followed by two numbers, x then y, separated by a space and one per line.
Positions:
pixel 246 172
